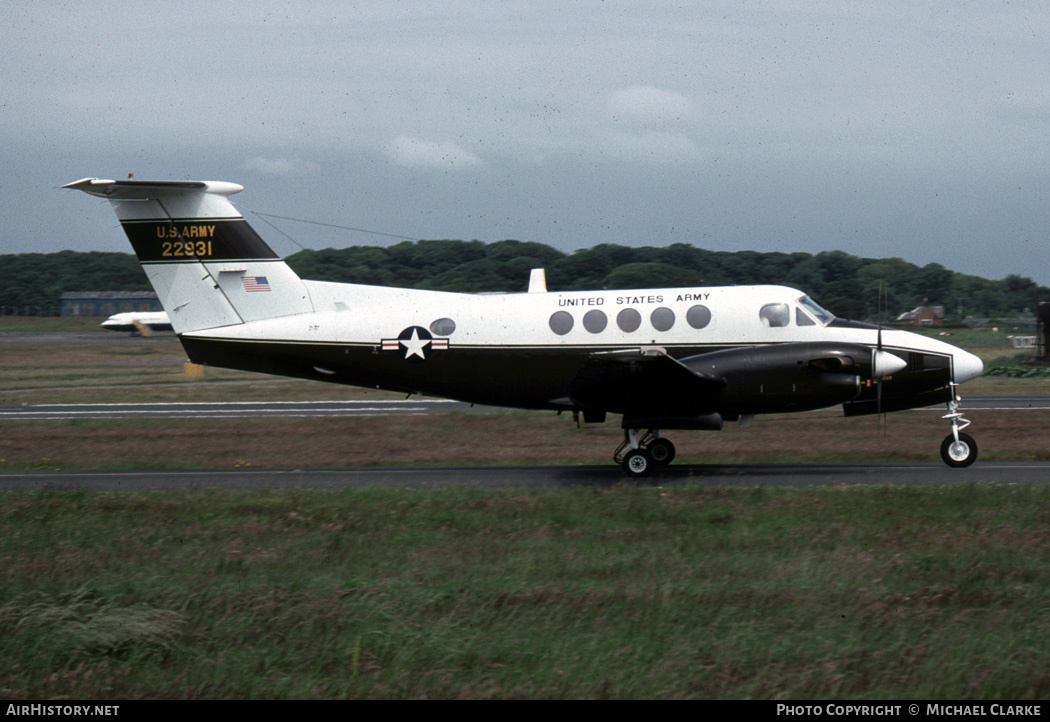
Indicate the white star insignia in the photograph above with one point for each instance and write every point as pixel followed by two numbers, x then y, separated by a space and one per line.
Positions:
pixel 414 346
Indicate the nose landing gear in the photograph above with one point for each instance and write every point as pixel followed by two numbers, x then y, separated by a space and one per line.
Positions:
pixel 957 449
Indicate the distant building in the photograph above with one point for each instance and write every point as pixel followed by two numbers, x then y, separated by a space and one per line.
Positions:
pixel 922 316
pixel 106 303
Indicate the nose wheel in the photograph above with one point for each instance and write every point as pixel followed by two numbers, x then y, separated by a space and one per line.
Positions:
pixel 957 449
pixel 640 456
pixel 958 452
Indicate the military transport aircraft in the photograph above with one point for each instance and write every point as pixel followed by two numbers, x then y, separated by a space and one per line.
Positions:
pixel 668 358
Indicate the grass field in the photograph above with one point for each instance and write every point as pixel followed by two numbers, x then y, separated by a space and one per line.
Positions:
pixel 625 592
pixel 628 592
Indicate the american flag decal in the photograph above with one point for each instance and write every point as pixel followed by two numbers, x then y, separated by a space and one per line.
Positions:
pixel 255 284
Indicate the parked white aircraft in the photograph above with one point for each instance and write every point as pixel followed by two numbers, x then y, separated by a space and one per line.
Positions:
pixel 142 322
pixel 670 358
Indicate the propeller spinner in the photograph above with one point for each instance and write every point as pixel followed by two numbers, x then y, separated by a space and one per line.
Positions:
pixel 885 363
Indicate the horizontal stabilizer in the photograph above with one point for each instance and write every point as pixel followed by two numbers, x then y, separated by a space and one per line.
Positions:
pixel 148 189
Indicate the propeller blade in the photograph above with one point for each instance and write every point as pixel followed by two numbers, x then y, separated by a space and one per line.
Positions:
pixel 878 400
pixel 875 362
pixel 879 309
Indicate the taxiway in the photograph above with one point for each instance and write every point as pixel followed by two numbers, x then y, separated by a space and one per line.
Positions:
pixel 413 405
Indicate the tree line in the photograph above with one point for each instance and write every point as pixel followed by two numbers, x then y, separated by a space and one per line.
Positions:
pixel 36 280
pixel 850 286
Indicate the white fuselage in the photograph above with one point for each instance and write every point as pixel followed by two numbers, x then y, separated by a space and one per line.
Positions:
pixel 357 314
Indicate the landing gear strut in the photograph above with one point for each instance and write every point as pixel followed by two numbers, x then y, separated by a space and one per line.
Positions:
pixel 639 456
pixel 957 449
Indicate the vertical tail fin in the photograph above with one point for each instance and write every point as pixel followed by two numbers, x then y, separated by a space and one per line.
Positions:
pixel 208 266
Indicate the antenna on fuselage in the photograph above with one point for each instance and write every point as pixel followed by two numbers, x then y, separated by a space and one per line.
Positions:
pixel 538 281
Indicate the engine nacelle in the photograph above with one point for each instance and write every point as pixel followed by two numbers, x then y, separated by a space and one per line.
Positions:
pixel 785 377
pixel 745 380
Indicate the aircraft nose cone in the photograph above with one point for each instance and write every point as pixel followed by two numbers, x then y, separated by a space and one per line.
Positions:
pixel 967 366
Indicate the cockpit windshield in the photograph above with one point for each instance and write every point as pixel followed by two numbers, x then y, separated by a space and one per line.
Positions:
pixel 823 315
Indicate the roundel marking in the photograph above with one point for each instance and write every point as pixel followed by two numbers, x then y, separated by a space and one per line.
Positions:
pixel 416 342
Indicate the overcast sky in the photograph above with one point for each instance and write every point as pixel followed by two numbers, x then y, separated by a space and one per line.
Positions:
pixel 919 130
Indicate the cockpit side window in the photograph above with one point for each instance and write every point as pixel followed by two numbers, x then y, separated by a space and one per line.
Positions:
pixel 802 319
pixel 823 315
pixel 775 315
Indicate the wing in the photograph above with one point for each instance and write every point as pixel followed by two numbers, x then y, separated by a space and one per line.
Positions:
pixel 644 381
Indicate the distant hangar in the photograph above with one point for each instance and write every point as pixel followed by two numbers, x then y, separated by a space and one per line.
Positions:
pixel 106 303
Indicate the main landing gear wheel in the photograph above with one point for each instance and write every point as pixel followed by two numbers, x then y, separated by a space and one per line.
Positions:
pixel 640 456
pixel 662 451
pixel 638 463
pixel 959 453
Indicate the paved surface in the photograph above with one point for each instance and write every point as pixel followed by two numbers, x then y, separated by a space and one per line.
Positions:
pixel 532 477
pixel 420 405
pixel 1005 403
pixel 770 475
pixel 229 409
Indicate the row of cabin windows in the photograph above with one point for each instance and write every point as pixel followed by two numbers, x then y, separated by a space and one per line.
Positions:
pixel 774 315
pixel 662 319
pixel 629 320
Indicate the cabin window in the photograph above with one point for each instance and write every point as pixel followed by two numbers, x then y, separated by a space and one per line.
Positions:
pixel 443 327
pixel 595 321
pixel 698 316
pixel 801 319
pixel 775 315
pixel 561 322
pixel 662 319
pixel 628 320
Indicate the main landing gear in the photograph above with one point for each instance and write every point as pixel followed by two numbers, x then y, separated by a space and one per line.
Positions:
pixel 640 456
pixel 957 449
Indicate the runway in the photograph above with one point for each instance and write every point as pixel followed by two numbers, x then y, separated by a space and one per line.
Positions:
pixel 415 405
pixel 489 477
pixel 534 477
pixel 230 409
